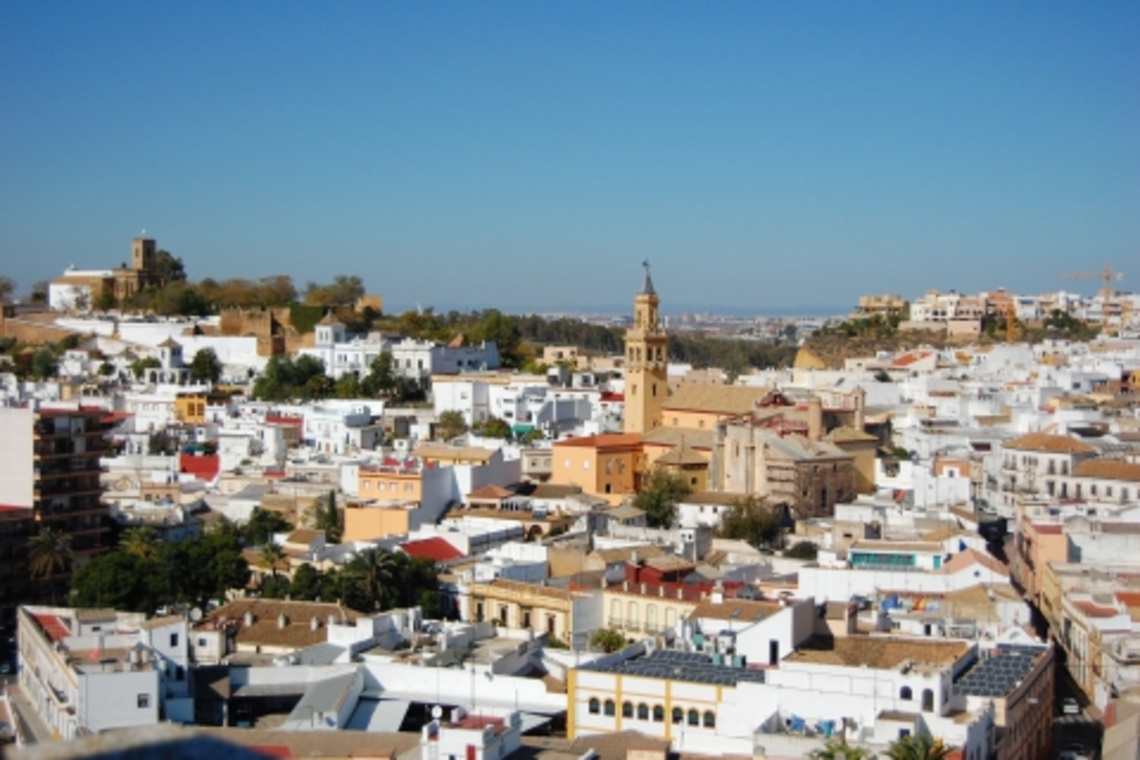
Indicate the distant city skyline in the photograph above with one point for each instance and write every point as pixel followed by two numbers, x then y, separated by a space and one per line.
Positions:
pixel 766 157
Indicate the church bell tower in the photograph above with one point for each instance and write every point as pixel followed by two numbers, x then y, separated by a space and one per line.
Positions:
pixel 646 359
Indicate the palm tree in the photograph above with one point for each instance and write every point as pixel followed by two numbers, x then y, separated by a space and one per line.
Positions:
pixel 270 557
pixel 140 542
pixel 49 553
pixel 837 749
pixel 917 747
pixel 374 569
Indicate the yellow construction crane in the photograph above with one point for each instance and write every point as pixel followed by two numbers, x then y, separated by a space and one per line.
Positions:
pixel 1107 276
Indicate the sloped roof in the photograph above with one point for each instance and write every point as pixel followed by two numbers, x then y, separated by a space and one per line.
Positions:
pixel 964 559
pixel 735 609
pixel 718 399
pixel 1051 444
pixel 884 653
pixel 1107 469
pixel 491 492
pixel 435 548
pixel 605 440
pixel 330 321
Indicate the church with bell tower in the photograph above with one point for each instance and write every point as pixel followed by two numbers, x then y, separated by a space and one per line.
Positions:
pixel 646 360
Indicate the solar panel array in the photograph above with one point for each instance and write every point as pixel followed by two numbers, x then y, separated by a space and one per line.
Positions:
pixel 998 674
pixel 681 666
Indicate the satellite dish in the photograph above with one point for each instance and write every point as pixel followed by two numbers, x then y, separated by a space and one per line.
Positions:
pixel 195 614
pixel 436 712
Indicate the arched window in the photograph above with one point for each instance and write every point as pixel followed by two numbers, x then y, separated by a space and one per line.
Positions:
pixel 694 718
pixel 631 616
pixel 678 716
pixel 627 709
pixel 658 714
pixel 609 708
pixel 650 618
pixel 905 693
pixel 615 612
pixel 710 719
pixel 643 711
pixel 927 700
pixel 595 706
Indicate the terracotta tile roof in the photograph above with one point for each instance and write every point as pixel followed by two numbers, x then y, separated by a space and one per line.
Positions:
pixel 878 652
pixel 625 554
pixel 435 548
pixel 460 453
pixel 1051 444
pixel 1107 469
pixel 964 559
pixel 491 492
pixel 297 632
pixel 604 441
pixel 716 399
pixel 672 436
pixel 735 609
pixel 304 536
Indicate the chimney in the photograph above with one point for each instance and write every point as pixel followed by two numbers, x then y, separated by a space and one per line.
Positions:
pixel 248 618
pixel 314 623
pixel 815 418
pixel 282 621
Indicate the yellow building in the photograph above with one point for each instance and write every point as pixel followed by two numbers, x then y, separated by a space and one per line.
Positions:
pixel 371 522
pixel 646 357
pixel 391 484
pixel 608 466
pixel 558 612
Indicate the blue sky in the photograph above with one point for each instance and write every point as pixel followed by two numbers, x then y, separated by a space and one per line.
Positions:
pixel 763 155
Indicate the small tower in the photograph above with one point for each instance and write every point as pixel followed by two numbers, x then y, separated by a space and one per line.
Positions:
pixel 143 255
pixel 330 331
pixel 646 359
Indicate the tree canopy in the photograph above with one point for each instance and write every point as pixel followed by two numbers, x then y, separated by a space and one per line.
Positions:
pixel 205 366
pixel 659 495
pixel 749 520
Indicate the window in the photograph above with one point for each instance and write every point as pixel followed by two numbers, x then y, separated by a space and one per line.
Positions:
pixel 927 700
pixel 658 714
pixel 143 701
pixel 627 709
pixel 694 718
pixel 609 708
pixel 905 693
pixel 678 716
pixel 710 719
pixel 595 706
pixel 201 641
pixel 643 711
pixel 173 639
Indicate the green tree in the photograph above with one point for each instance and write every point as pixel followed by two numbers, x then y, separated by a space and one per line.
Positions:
pixel 215 565
pixel 205 366
pixel 451 425
pixel 917 747
pixel 261 525
pixel 44 364
pixel 141 543
pixel 168 268
pixel 504 331
pixel 270 557
pixel 608 640
pixel 328 519
pixel 348 386
pixel 836 748
pixel 106 301
pixel 343 291
pixel 306 583
pixel 802 550
pixel 381 379
pixel 374 572
pixel 140 366
pixel 749 520
pixel 49 555
pixel 659 495
pixel 191 303
pixel 495 428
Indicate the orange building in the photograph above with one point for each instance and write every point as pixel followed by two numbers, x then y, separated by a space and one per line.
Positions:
pixel 371 522
pixel 609 466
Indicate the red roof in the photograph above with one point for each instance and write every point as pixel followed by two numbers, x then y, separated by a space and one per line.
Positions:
pixel 204 467
pixel 281 419
pixel 53 627
pixel 1050 529
pixel 437 549
pixel 613 397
